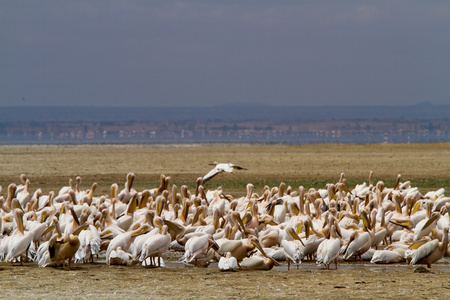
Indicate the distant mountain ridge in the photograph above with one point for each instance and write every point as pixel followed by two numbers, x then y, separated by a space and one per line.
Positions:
pixel 232 112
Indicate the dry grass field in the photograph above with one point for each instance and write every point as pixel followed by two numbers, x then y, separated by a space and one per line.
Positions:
pixel 50 167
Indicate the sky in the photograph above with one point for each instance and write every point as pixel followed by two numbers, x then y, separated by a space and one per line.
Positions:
pixel 205 53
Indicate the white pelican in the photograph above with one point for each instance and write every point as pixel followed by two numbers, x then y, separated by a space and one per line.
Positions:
pixel 239 248
pixel 119 257
pixel 424 227
pixel 24 195
pixel 22 186
pixel 431 252
pixel 312 241
pixel 65 189
pixel 228 263
pixel 89 245
pixel 11 191
pixel 124 240
pixel 198 246
pixel 440 202
pixel 62 250
pixel 258 262
pixel 360 241
pixel 20 240
pixel 126 194
pixel 125 221
pixel 156 245
pixel 140 240
pixel 388 256
pixel 219 168
pixel 293 247
pixel 329 249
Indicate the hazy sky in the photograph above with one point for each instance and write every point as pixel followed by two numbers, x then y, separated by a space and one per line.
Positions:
pixel 163 53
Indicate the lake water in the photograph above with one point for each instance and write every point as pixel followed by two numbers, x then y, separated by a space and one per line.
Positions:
pixel 173 138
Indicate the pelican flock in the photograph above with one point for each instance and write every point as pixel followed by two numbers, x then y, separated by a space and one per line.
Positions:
pixel 256 231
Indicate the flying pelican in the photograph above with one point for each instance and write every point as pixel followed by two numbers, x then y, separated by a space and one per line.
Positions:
pixel 219 168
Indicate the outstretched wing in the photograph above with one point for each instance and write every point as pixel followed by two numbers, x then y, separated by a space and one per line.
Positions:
pixel 211 174
pixel 238 168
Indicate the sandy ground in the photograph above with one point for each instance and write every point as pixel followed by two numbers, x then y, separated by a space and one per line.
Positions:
pixel 50 167
pixel 352 280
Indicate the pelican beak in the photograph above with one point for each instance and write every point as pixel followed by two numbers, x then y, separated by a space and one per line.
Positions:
pixel 431 220
pixel 106 235
pixel 416 207
pixel 416 245
pixel 405 224
pixel 275 262
pixel 74 215
pixel 295 209
pixel 226 197
pixel 345 188
pixel 213 245
pixel 160 225
pixel 50 228
pixel 295 236
pixel 140 232
pixel 258 245
pixel 249 205
pixel 365 219
pixel 172 226
pixel 145 230
pixel 45 216
pixel 247 218
pixel 238 219
pixel 159 208
pixel 80 229
pixel 300 228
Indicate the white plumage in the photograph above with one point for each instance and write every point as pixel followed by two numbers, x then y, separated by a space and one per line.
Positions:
pixel 219 168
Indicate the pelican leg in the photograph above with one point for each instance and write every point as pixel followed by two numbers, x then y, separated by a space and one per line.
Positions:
pixel 289 264
pixel 335 263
